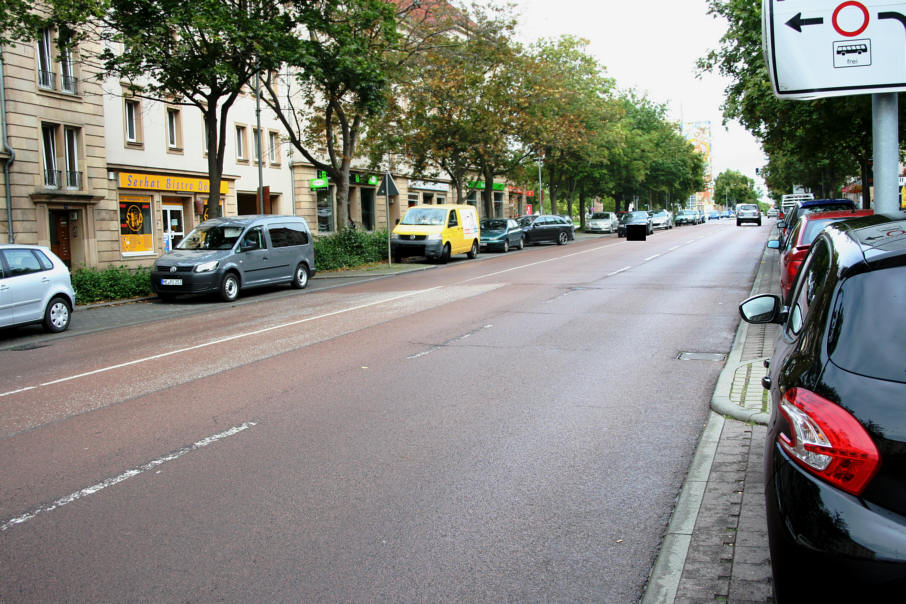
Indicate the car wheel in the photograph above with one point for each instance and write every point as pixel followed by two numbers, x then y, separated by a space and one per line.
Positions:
pixel 506 246
pixel 473 253
pixel 57 315
pixel 229 287
pixel 738 223
pixel 300 277
pixel 445 254
pixel 561 238
pixel 397 259
pixel 758 223
pixel 521 245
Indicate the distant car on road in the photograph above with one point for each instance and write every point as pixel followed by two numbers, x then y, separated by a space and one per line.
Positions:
pixel 747 212
pixel 637 218
pixel 773 213
pixel 836 440
pixel 550 228
pixel 713 215
pixel 602 222
pixel 501 234
pixel 662 219
pixel 35 287
pixel 686 217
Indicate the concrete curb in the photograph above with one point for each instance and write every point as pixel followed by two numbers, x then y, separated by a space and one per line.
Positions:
pixel 668 568
pixel 664 579
pixel 720 400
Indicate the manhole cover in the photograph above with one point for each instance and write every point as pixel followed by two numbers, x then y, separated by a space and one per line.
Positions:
pixel 701 356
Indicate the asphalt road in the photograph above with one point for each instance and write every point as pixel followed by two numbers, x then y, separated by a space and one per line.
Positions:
pixel 513 429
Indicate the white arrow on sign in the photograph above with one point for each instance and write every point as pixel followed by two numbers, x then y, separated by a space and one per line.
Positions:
pixel 816 48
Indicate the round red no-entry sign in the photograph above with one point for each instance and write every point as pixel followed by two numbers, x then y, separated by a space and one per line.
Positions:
pixel 858 30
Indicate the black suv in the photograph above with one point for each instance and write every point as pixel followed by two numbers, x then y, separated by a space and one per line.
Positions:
pixel 835 455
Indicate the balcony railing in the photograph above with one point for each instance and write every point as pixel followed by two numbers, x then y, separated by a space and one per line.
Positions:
pixel 52 179
pixel 47 79
pixel 70 84
pixel 73 179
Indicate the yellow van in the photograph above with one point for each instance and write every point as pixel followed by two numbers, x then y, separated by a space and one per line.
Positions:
pixel 436 232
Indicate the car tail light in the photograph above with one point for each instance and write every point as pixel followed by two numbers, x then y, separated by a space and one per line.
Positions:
pixel 828 441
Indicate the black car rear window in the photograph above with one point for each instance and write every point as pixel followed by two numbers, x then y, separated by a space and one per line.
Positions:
pixel 868 327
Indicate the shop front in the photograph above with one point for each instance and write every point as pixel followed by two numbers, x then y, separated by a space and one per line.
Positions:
pixel 157 210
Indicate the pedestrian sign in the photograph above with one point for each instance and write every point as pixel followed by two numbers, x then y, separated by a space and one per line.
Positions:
pixel 816 48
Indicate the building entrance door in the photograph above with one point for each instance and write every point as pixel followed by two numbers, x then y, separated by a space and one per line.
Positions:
pixel 174 225
pixel 60 236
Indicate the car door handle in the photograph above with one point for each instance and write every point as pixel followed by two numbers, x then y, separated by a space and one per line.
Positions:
pixel 766 382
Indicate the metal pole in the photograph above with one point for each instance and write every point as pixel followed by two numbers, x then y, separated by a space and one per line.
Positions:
pixel 260 157
pixel 885 145
pixel 540 191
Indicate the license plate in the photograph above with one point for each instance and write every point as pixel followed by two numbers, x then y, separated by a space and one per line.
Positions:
pixel 171 281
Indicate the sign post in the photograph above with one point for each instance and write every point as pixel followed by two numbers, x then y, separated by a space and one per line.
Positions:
pixel 816 49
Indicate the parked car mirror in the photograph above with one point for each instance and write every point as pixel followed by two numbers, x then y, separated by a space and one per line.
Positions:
pixel 763 308
pixel 781 224
pixel 774 244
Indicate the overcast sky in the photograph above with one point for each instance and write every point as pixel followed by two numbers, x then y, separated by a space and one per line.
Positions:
pixel 652 46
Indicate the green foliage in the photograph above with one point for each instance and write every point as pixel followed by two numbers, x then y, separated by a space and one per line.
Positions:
pixel 112 283
pixel 350 248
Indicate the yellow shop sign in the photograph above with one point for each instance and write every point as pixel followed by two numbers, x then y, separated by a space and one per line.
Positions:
pixel 162 182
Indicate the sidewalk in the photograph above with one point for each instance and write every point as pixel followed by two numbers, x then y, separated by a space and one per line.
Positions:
pixel 716 546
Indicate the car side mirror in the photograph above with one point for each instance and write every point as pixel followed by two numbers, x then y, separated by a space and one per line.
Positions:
pixel 781 224
pixel 774 244
pixel 763 308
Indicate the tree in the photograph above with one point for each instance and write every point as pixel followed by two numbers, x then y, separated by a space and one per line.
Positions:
pixel 837 130
pixel 732 187
pixel 341 69
pixel 198 53
pixel 20 20
pixel 441 114
pixel 571 121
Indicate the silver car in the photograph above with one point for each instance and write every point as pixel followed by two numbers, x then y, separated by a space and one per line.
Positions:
pixel 602 222
pixel 35 287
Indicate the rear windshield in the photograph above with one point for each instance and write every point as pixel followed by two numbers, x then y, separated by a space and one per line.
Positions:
pixel 868 331
pixel 600 216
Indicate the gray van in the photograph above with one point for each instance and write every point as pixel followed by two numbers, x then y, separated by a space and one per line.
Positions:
pixel 227 254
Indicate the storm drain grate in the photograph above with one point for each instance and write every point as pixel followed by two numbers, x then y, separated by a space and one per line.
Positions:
pixel 701 356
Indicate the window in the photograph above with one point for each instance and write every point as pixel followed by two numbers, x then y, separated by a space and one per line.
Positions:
pixel 133 122
pixel 287 234
pixel 174 129
pixel 325 211
pixel 273 148
pixel 413 199
pixel 49 152
pixel 73 175
pixel 256 145
pixel 68 81
pixel 241 143
pixel 24 261
pixel 452 222
pixel 46 76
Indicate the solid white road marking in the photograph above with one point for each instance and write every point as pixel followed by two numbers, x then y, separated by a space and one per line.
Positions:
pixel 204 442
pixel 214 342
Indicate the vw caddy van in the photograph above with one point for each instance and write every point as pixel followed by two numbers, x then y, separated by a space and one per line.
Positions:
pixel 436 232
pixel 228 254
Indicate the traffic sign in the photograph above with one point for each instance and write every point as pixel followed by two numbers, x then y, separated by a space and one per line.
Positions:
pixel 820 48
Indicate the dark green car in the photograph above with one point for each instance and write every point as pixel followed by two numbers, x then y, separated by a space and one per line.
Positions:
pixel 501 234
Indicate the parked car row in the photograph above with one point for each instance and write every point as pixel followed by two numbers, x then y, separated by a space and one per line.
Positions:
pixel 836 443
